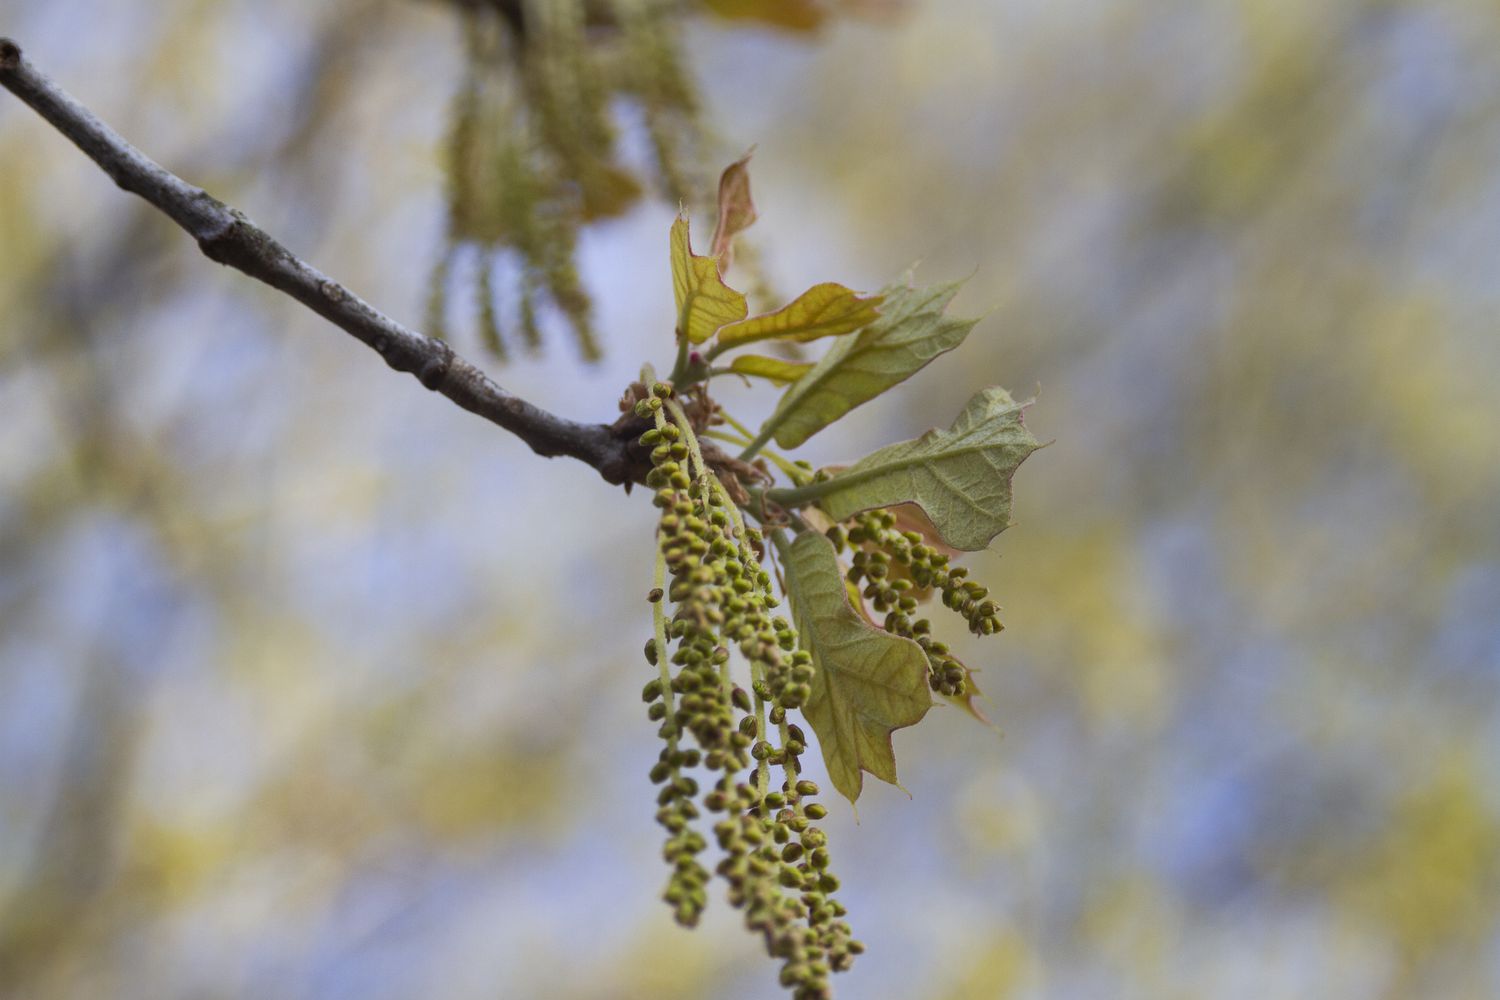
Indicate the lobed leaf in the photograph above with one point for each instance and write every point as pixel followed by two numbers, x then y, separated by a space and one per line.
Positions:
pixel 704 302
pixel 736 210
pixel 775 369
pixel 826 310
pixel 868 682
pixel 961 477
pixel 910 331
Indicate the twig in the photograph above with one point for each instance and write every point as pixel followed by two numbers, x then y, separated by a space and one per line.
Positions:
pixel 227 236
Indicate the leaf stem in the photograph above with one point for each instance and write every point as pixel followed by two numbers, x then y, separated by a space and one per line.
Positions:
pixel 679 367
pixel 659 635
pixel 791 470
pixel 727 438
pixel 763 768
pixel 679 417
pixel 758 442
pixel 728 419
pixel 799 496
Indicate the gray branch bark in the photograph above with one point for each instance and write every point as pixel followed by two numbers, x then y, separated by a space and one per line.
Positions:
pixel 227 236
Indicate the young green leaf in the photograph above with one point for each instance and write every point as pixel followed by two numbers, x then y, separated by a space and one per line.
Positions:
pixel 868 682
pixel 910 331
pixel 736 209
pixel 704 302
pixel 826 310
pixel 774 369
pixel 959 477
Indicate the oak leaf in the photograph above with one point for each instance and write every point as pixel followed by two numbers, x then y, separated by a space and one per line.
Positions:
pixel 960 477
pixel 911 330
pixel 775 369
pixel 736 210
pixel 826 310
pixel 704 302
pixel 867 682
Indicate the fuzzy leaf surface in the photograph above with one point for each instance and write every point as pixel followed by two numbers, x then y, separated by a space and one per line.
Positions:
pixel 867 682
pixel 960 477
pixel 775 369
pixel 826 310
pixel 910 331
pixel 704 302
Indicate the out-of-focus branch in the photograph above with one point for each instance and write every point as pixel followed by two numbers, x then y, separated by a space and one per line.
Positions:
pixel 225 235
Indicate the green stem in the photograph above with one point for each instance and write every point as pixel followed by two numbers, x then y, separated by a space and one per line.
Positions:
pixel 679 367
pixel 786 465
pixel 727 438
pixel 788 468
pixel 679 417
pixel 790 767
pixel 659 633
pixel 736 424
pixel 760 440
pixel 712 484
pixel 709 484
pixel 763 767
pixel 801 496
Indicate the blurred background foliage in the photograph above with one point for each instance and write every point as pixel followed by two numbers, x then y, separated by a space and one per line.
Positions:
pixel 533 151
pixel 312 685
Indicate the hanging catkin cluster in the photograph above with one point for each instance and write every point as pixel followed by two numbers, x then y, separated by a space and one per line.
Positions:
pixel 895 569
pixel 532 154
pixel 730 769
pixel 775 859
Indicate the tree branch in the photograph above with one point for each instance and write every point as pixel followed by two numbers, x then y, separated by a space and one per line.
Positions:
pixel 227 236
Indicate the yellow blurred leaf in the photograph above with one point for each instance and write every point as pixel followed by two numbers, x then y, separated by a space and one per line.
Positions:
pixel 704 302
pixel 608 191
pixel 797 15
